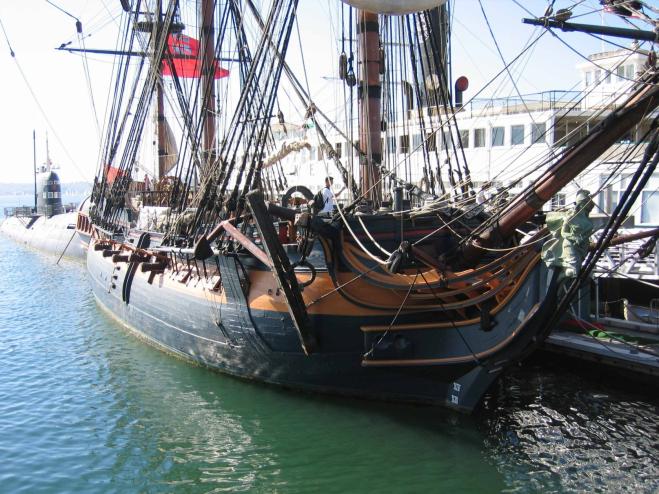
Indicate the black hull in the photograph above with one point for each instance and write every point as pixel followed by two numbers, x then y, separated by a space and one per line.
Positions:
pixel 234 338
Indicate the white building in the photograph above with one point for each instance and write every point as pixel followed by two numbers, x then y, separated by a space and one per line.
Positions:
pixel 506 138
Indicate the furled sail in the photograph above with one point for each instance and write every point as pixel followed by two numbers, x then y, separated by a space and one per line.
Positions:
pixel 286 149
pixel 170 157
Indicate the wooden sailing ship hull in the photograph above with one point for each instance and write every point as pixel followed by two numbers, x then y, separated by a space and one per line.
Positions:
pixel 240 326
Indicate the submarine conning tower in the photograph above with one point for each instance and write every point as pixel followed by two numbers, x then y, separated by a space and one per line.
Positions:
pixel 49 194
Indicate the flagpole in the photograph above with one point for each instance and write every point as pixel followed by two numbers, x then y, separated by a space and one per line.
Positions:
pixel 34 159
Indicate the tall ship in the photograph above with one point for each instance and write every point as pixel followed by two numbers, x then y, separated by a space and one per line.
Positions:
pixel 404 285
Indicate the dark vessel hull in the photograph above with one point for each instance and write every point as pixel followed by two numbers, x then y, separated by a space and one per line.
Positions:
pixel 252 337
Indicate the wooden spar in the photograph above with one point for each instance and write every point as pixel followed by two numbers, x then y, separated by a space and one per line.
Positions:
pixel 370 140
pixel 636 34
pixel 283 272
pixel 622 239
pixel 238 236
pixel 207 62
pixel 135 53
pixel 203 250
pixel 642 102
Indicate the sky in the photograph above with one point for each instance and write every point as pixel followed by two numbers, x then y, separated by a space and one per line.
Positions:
pixel 50 91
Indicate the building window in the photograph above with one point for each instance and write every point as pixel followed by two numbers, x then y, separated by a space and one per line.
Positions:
pixel 630 72
pixel 607 77
pixel 479 138
pixel 404 143
pixel 558 202
pixel 650 207
pixel 464 137
pixel 338 149
pixel 498 135
pixel 589 78
pixel 538 132
pixel 431 141
pixel 416 142
pixel 440 140
pixel 598 75
pixel 517 135
pixel 391 144
pixel 620 71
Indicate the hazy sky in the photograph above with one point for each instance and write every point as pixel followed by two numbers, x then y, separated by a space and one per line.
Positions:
pixel 47 90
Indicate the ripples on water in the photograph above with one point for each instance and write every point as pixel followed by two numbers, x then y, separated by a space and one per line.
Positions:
pixel 84 407
pixel 552 431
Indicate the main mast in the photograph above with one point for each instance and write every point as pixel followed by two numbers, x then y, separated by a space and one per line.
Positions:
pixel 160 116
pixel 370 90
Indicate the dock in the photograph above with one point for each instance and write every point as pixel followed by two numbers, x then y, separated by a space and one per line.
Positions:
pixel 615 325
pixel 611 347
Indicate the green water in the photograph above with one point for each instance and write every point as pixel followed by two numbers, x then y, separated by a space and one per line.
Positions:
pixel 85 407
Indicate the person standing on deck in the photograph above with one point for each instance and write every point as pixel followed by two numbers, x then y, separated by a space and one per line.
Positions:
pixel 328 197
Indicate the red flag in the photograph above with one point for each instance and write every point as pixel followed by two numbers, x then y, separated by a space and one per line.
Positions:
pixel 112 173
pixel 184 61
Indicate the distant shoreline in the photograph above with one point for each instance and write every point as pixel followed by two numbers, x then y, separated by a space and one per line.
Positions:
pixel 24 189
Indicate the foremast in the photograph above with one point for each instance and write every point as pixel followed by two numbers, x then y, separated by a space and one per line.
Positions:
pixel 207 55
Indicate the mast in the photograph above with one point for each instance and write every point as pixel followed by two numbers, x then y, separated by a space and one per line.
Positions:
pixel 162 163
pixel 207 62
pixel 370 142
pixel 47 154
pixel 34 162
pixel 160 102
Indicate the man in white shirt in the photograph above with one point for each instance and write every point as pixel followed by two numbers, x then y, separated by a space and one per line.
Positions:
pixel 328 197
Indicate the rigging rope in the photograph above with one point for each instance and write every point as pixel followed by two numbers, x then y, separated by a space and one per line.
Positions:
pixel 39 105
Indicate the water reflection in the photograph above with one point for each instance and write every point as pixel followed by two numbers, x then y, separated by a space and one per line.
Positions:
pixel 220 434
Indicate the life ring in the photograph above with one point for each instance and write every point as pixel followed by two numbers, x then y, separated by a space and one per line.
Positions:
pixel 306 264
pixel 300 189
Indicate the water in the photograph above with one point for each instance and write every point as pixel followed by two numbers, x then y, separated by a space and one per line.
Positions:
pixel 85 407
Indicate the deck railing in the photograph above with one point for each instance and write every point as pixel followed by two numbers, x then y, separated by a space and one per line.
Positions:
pixel 630 260
pixel 20 211
pixel 544 101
